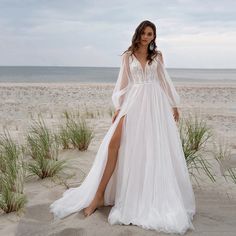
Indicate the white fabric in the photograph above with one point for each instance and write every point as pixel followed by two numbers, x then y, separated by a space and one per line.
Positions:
pixel 150 186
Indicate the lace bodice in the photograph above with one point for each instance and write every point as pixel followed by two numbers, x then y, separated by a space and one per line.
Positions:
pixel 140 75
pixel 132 73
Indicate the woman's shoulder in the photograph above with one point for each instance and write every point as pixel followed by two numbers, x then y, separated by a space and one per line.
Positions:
pixel 127 53
pixel 159 52
pixel 159 55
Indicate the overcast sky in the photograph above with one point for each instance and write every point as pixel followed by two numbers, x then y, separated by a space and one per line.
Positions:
pixel 190 33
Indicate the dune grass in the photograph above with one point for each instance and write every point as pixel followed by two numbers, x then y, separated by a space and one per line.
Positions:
pixel 222 153
pixel 81 135
pixel 111 111
pixel 194 134
pixel 75 133
pixel 43 147
pixel 12 173
pixel 89 114
pixel 64 137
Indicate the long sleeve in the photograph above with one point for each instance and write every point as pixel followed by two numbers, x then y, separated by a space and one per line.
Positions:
pixel 167 84
pixel 122 84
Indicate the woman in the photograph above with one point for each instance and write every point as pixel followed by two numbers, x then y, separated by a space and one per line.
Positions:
pixel 140 168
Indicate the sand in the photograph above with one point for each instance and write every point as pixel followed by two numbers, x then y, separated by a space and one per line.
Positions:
pixel 20 102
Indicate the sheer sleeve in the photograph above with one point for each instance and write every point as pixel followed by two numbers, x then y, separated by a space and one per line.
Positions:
pixel 123 83
pixel 166 83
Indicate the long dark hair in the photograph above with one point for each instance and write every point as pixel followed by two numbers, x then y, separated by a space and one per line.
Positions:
pixel 137 37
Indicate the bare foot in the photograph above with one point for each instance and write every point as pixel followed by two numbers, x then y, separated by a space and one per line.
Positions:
pixel 97 202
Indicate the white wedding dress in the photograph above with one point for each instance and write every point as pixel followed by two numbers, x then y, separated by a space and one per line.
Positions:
pixel 150 186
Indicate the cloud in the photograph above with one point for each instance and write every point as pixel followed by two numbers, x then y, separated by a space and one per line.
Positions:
pixel 95 33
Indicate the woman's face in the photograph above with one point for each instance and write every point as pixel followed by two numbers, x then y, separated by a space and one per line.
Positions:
pixel 147 36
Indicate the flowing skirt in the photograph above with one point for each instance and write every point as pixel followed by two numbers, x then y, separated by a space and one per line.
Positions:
pixel 150 186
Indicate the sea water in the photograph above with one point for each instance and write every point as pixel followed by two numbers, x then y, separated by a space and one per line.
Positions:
pixel 59 74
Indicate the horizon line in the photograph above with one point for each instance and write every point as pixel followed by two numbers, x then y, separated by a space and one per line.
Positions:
pixel 207 68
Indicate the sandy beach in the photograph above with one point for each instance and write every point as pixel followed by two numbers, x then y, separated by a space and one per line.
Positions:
pixel 20 102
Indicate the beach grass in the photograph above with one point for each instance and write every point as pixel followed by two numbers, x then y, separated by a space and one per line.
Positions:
pixel 43 148
pixel 195 134
pixel 80 133
pixel 222 153
pixel 111 111
pixel 64 137
pixel 12 174
pixel 74 132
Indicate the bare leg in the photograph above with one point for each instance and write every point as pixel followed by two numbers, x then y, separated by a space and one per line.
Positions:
pixel 110 166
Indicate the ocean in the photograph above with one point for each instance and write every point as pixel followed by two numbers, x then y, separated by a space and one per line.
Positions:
pixel 59 74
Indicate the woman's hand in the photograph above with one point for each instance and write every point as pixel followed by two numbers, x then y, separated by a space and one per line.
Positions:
pixel 115 115
pixel 176 114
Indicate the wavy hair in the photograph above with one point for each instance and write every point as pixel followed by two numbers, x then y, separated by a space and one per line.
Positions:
pixel 137 37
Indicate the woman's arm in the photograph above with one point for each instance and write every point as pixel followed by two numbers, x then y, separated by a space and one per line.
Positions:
pixel 168 87
pixel 122 84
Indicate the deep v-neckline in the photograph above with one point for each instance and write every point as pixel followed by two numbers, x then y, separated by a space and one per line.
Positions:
pixel 143 68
